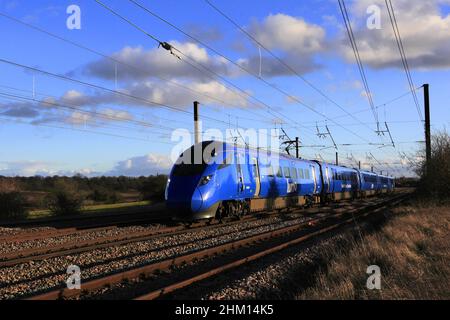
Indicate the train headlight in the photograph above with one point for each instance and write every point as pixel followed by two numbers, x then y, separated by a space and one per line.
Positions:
pixel 205 179
pixel 166 192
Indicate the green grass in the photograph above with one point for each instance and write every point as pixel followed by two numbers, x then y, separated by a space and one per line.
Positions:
pixel 98 208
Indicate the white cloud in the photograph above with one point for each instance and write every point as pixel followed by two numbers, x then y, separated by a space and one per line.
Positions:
pixel 292 39
pixel 138 63
pixel 425 32
pixel 24 168
pixel 149 164
pixel 29 168
pixel 291 34
pixel 18 109
pixel 171 94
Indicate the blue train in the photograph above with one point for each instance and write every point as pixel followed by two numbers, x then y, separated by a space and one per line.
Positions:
pixel 215 179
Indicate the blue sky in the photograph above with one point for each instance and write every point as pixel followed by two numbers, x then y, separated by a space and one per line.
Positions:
pixel 308 35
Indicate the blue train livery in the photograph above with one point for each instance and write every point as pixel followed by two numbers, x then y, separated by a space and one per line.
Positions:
pixel 215 179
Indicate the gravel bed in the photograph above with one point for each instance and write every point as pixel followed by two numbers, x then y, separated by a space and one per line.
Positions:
pixel 35 276
pixel 19 231
pixel 71 238
pixel 268 282
pixel 278 276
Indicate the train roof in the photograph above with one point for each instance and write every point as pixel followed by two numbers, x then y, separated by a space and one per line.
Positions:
pixel 230 147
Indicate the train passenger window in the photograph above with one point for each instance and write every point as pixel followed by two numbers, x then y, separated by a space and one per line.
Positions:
pixel 300 173
pixel 294 173
pixel 279 173
pixel 227 160
pixel 286 172
pixel 306 173
pixel 183 169
pixel 255 170
pixel 270 171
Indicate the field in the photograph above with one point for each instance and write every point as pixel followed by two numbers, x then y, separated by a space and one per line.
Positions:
pixel 412 250
pixel 99 208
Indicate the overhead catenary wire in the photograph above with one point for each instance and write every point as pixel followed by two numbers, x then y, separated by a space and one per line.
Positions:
pixel 226 123
pixel 83 130
pixel 164 44
pixel 270 85
pixel 281 61
pixel 118 61
pixel 76 120
pixel 207 69
pixel 95 86
pixel 94 113
pixel 392 100
pixel 403 57
pixel 46 95
pixel 235 64
pixel 355 49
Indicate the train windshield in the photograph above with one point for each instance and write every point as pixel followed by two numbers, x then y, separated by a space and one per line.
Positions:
pixel 188 169
pixel 192 164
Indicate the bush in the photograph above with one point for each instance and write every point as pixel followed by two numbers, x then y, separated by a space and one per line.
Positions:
pixel 67 199
pixel 103 195
pixel 435 177
pixel 63 203
pixel 153 189
pixel 12 205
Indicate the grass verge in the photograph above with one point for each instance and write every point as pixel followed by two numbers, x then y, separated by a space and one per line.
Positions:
pixel 412 250
pixel 101 208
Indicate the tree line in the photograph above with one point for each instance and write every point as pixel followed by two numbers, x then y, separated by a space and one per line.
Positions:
pixel 66 195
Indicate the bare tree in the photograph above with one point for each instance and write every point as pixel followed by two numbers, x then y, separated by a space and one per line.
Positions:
pixel 435 176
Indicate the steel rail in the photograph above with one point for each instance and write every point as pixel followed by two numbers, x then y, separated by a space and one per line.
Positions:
pixel 147 270
pixel 42 234
pixel 185 283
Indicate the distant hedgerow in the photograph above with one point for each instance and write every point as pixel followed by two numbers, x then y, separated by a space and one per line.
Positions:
pixel 12 205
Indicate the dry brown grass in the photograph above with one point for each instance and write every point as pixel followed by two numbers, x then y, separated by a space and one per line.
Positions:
pixel 412 250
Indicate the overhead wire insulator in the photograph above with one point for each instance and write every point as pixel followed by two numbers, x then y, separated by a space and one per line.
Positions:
pixel 169 48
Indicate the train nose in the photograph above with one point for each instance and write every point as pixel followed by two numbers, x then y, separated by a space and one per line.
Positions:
pixel 197 200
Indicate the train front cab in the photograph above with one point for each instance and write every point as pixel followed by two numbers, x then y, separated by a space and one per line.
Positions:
pixel 191 184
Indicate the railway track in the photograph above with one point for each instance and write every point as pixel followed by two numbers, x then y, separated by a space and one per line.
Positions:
pixel 281 238
pixel 152 214
pixel 75 247
pixel 48 233
pixel 166 290
pixel 104 242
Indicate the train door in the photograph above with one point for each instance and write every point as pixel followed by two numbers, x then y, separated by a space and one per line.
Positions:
pixel 327 179
pixel 256 176
pixel 239 173
pixel 314 177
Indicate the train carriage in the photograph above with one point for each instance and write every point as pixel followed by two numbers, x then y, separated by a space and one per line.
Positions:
pixel 216 179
